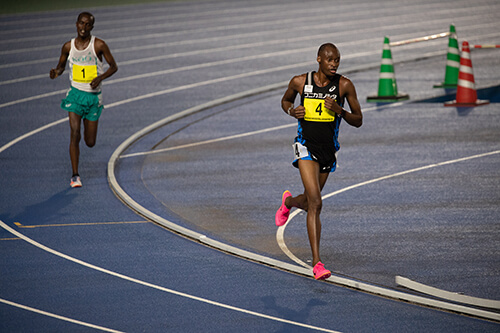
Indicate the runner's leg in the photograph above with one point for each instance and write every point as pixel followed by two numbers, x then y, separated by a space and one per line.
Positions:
pixel 313 182
pixel 74 144
pixel 90 134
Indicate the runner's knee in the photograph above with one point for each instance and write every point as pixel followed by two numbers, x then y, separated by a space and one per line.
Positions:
pixel 90 142
pixel 314 204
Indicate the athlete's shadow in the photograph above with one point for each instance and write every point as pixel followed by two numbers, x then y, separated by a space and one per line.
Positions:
pixel 299 316
pixel 48 211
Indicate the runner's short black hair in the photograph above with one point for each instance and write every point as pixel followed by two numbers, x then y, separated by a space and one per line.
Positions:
pixel 86 14
pixel 324 46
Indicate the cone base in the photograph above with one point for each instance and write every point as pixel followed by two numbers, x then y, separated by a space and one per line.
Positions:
pixel 387 99
pixel 445 85
pixel 472 104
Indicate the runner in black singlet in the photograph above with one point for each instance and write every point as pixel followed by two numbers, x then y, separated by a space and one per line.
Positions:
pixel 319 116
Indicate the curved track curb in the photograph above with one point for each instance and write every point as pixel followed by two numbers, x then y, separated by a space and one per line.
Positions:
pixel 342 281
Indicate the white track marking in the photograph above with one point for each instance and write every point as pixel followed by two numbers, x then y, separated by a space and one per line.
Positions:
pixel 48 314
pixel 351 283
pixel 154 286
pixel 281 230
pixel 224 24
pixel 227 27
pixel 212 64
pixel 199 143
pixel 24 136
pixel 33 98
pixel 206 105
pixel 199 84
pixel 225 138
pixel 301 270
pixel 280 238
pixel 164 13
pixel 170 90
pixel 402 173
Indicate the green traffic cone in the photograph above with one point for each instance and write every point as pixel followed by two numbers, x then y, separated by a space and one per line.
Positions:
pixel 387 87
pixel 452 62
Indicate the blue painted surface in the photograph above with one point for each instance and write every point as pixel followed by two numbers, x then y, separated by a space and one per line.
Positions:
pixel 411 226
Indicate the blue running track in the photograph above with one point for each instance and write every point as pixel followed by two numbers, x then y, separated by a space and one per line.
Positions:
pixel 173 229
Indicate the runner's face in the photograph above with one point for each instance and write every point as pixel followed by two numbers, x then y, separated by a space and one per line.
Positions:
pixel 84 26
pixel 329 61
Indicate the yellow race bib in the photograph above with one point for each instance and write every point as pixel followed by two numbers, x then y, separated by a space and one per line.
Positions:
pixel 316 111
pixel 84 74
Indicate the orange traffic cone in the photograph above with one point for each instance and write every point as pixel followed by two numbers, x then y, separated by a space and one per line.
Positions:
pixel 466 91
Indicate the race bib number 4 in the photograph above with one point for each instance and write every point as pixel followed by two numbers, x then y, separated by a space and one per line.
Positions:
pixel 84 74
pixel 316 111
pixel 299 151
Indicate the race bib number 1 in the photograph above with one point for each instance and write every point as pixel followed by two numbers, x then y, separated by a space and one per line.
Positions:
pixel 316 111
pixel 84 74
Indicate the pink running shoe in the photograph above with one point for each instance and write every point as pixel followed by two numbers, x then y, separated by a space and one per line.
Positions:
pixel 283 212
pixel 320 272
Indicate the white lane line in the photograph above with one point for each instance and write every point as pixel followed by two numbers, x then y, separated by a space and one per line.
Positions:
pixel 214 64
pixel 57 225
pixel 227 27
pixel 199 143
pixel 281 230
pixel 232 47
pixel 192 67
pixel 224 24
pixel 170 90
pixel 220 63
pixel 49 314
pixel 200 107
pixel 232 97
pixel 141 37
pixel 215 39
pixel 107 20
pixel 110 18
pixel 33 98
pixel 154 286
pixel 199 84
pixel 26 135
pixel 204 51
pixel 26 78
pixel 187 42
pixel 259 90
pixel 402 173
pixel 351 283
pixel 225 138
pixel 295 16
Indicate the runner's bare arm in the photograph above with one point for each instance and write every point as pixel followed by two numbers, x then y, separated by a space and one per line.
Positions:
pixel 102 50
pixel 61 66
pixel 295 87
pixel 355 117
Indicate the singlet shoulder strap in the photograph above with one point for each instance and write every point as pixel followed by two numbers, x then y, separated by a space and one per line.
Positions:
pixel 309 78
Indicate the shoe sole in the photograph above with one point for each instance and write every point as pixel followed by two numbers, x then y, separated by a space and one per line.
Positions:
pixel 324 276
